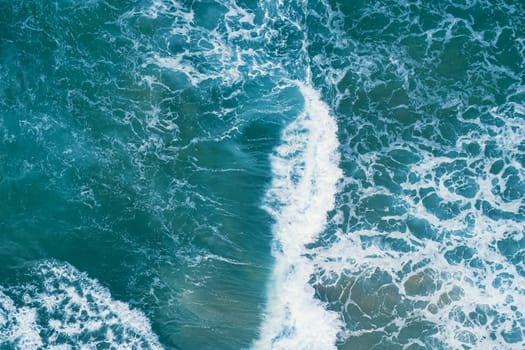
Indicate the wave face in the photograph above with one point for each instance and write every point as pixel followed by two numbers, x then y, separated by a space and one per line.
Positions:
pixel 236 174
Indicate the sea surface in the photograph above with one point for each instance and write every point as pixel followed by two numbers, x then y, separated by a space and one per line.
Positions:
pixel 273 174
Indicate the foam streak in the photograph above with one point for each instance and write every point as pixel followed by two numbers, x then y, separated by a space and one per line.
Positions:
pixel 305 174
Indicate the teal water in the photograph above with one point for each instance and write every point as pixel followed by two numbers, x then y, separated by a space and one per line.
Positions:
pixel 241 174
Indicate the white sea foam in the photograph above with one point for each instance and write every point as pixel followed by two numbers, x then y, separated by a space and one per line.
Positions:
pixel 475 300
pixel 221 53
pixel 64 308
pixel 305 174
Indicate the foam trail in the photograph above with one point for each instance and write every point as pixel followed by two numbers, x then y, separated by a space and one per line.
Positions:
pixel 305 173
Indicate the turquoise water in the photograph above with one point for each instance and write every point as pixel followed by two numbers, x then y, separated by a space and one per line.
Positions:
pixel 321 174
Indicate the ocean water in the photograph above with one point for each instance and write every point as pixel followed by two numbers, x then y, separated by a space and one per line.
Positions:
pixel 241 174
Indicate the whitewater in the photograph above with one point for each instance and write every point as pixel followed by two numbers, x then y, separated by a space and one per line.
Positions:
pixel 305 174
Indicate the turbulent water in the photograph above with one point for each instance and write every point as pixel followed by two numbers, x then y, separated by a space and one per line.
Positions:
pixel 241 174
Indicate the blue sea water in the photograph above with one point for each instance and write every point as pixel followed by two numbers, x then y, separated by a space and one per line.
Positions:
pixel 240 174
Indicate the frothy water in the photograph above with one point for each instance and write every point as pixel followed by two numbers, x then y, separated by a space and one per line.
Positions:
pixel 65 309
pixel 305 174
